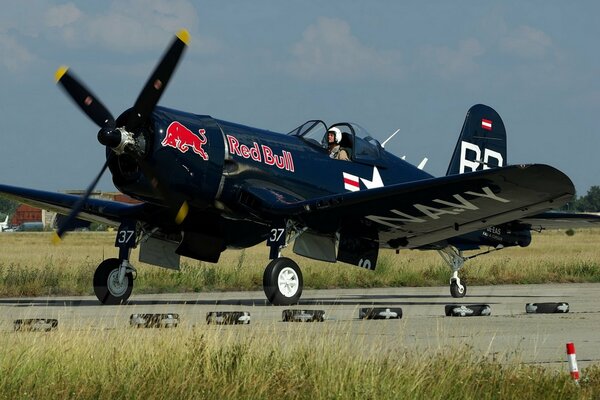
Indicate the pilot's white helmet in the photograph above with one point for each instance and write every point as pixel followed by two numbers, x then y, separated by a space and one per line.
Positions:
pixel 337 134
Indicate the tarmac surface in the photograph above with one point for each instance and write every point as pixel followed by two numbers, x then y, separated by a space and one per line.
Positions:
pixel 509 333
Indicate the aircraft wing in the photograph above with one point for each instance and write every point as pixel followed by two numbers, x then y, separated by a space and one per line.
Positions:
pixel 418 213
pixel 562 220
pixel 94 210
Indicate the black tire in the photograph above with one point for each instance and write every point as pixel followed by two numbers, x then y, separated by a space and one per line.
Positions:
pixel 282 282
pixel 303 315
pixel 111 293
pixel 227 317
pixel 467 310
pixel 170 320
pixel 456 292
pixel 36 324
pixel 380 313
pixel 546 308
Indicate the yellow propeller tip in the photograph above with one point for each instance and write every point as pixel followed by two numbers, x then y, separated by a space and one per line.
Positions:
pixel 60 72
pixel 182 213
pixel 55 238
pixel 184 36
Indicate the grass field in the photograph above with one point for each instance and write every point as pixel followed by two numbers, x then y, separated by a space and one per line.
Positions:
pixel 30 265
pixel 233 362
pixel 226 363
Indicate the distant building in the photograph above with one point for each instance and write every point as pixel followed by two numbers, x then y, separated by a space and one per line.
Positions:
pixel 123 198
pixel 25 213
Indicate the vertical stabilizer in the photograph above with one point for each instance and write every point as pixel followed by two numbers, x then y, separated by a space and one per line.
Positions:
pixel 482 142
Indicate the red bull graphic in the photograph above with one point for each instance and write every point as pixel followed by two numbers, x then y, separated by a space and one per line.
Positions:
pixel 262 154
pixel 183 139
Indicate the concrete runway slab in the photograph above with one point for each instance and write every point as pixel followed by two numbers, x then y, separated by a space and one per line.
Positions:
pixel 509 333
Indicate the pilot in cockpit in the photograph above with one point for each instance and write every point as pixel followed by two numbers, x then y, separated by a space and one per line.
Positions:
pixel 334 138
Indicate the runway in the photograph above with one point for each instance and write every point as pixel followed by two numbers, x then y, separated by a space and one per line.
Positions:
pixel 508 333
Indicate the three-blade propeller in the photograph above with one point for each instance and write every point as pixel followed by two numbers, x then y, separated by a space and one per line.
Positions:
pixel 112 136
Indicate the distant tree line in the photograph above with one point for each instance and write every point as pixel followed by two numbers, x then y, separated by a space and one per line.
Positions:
pixel 7 207
pixel 590 202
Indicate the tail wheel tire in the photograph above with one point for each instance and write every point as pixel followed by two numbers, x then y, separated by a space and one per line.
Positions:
pixel 107 287
pixel 282 282
pixel 456 291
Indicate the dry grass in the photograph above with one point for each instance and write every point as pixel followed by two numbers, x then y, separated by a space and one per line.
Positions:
pixel 225 363
pixel 30 265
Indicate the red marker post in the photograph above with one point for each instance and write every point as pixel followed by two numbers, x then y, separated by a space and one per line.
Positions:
pixel 572 362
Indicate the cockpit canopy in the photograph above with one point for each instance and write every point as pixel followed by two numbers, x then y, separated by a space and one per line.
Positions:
pixel 363 148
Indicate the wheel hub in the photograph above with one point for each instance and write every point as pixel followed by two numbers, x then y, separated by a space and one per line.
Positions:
pixel 287 281
pixel 116 288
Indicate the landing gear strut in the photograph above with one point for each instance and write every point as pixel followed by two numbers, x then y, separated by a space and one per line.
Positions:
pixel 455 259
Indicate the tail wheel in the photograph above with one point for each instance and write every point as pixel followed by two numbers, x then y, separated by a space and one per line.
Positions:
pixel 458 290
pixel 107 287
pixel 282 282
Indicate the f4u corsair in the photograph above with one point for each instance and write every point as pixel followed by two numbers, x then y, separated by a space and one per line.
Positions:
pixel 206 185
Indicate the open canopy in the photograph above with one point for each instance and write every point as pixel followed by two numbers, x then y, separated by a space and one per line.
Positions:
pixel 363 146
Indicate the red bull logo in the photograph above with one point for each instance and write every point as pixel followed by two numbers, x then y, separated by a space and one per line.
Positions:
pixel 183 139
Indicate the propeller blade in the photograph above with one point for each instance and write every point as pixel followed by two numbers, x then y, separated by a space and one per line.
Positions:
pixel 145 103
pixel 158 81
pixel 84 98
pixel 60 232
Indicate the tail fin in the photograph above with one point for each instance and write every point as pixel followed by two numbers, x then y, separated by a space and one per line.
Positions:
pixel 482 142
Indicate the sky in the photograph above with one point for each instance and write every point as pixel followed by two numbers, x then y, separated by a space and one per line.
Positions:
pixel 384 64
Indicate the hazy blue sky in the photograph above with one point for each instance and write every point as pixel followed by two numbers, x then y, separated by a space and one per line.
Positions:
pixel 414 65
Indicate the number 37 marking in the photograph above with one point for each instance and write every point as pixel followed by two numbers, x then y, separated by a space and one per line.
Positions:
pixel 125 236
pixel 276 235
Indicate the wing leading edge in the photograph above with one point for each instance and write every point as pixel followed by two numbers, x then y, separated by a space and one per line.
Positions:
pixel 95 210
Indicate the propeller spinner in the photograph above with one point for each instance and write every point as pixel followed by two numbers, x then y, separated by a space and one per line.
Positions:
pixel 121 139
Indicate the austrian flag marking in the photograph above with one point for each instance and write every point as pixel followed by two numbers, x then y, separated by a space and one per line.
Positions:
pixel 486 124
pixel 351 182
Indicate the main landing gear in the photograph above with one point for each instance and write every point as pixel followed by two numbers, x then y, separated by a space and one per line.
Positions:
pixel 282 280
pixel 113 279
pixel 456 261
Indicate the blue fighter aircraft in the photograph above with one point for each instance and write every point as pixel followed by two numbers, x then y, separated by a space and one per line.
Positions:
pixel 206 185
